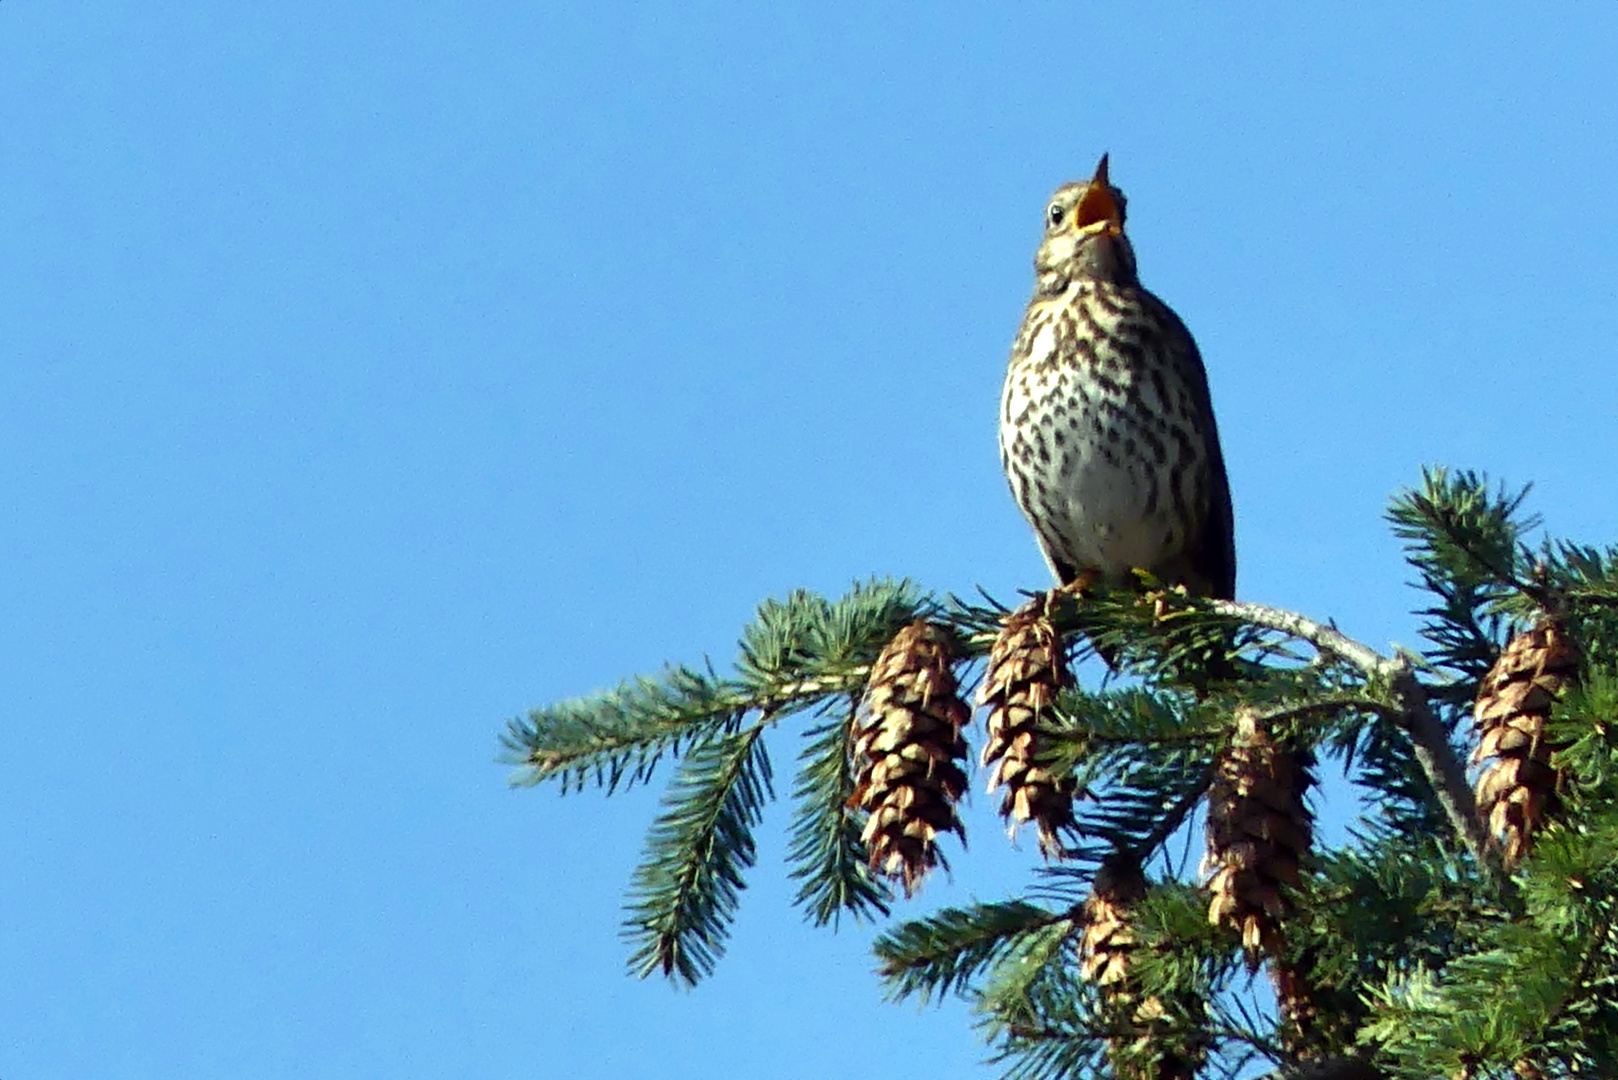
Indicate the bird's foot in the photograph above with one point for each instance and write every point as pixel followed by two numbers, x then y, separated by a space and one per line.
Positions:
pixel 1078 587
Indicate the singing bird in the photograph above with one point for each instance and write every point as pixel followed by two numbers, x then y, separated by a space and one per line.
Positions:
pixel 1107 429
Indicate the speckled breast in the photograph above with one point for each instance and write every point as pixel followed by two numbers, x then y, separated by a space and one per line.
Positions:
pixel 1093 433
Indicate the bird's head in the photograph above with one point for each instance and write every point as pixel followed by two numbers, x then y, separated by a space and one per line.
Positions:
pixel 1084 236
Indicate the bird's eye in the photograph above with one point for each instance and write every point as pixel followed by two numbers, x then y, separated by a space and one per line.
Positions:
pixel 1055 214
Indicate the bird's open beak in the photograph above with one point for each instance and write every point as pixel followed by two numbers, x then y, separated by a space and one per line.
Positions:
pixel 1098 206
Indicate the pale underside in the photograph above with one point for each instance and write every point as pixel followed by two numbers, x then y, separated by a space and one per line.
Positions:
pixel 1107 480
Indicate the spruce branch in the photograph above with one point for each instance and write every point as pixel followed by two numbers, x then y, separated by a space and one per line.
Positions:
pixel 939 955
pixel 619 736
pixel 1416 950
pixel 1033 1000
pixel 1534 987
pixel 1464 540
pixel 1174 817
pixel 684 894
pixel 1140 754
pixel 1580 573
pixel 1332 1067
pixel 1455 526
pixel 1147 793
pixel 794 654
pixel 806 647
pixel 1057 1049
pixel 1399 901
pixel 1414 715
pixel 1132 715
pixel 827 853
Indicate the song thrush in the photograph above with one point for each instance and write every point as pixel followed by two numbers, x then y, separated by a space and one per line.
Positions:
pixel 1107 431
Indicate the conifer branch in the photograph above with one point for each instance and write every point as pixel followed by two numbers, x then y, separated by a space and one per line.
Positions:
pixel 1034 986
pixel 827 853
pixel 1455 527
pixel 1414 946
pixel 1415 716
pixel 1172 819
pixel 619 736
pixel 684 893
pixel 807 647
pixel 794 654
pixel 1464 541
pixel 1538 986
pixel 1145 794
pixel 933 957
pixel 1048 1050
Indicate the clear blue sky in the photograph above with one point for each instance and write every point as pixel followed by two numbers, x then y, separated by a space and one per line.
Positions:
pixel 372 372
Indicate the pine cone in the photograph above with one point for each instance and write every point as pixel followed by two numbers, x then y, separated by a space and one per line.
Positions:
pixel 1150 1050
pixel 1107 942
pixel 1259 832
pixel 1516 791
pixel 907 752
pixel 1299 1002
pixel 1027 669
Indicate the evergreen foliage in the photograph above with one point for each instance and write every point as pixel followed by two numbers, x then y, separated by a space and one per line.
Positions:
pixel 1409 951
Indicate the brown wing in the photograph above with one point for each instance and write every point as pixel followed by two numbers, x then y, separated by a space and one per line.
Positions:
pixel 1210 555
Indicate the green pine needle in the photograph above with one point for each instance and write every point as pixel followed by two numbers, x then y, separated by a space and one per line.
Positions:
pixel 684 895
pixel 805 644
pixel 940 955
pixel 827 853
pixel 619 736
pixel 1464 540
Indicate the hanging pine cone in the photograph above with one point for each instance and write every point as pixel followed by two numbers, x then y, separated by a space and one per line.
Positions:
pixel 1259 832
pixel 1107 941
pixel 1299 1002
pixel 907 752
pixel 1516 791
pixel 1027 669
pixel 1152 1050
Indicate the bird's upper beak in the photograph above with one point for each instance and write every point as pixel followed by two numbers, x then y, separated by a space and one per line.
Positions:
pixel 1098 205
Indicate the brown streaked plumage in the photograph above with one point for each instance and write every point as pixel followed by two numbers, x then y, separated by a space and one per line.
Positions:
pixel 1107 430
